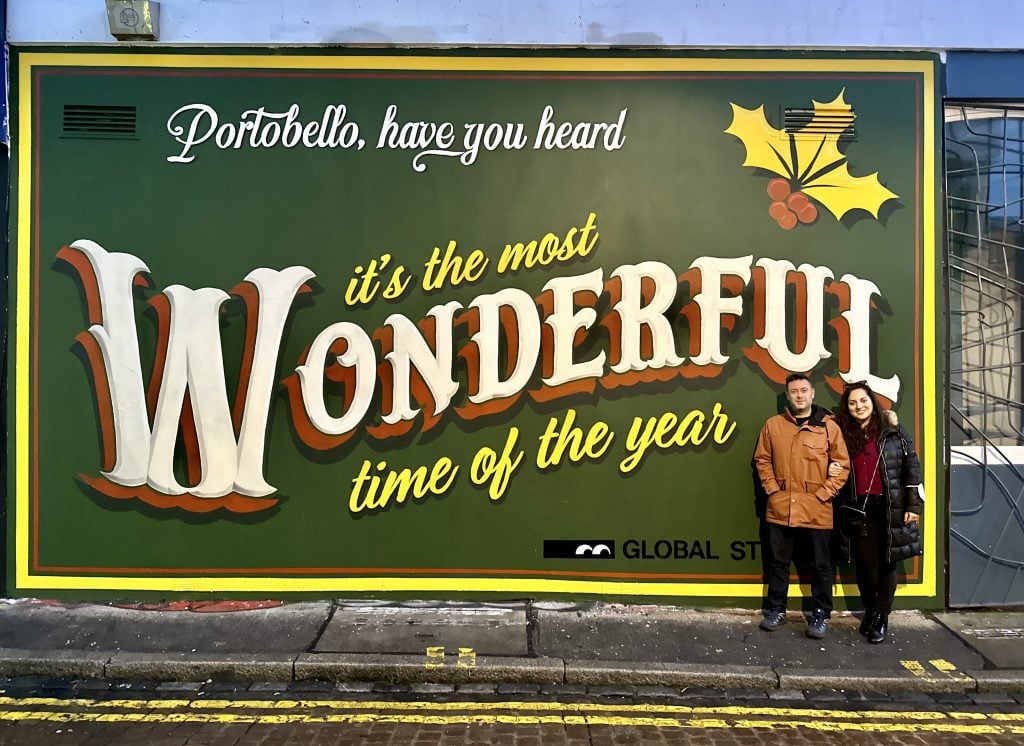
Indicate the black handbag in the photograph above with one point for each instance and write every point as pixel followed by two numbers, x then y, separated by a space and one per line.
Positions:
pixel 852 515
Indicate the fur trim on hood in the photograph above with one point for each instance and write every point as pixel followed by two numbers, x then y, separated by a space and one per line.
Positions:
pixel 889 418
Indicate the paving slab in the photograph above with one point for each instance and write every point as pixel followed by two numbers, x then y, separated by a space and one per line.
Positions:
pixel 997 635
pixel 607 690
pixel 181 686
pixel 656 691
pixel 491 629
pixel 51 626
pixel 732 638
pixel 785 694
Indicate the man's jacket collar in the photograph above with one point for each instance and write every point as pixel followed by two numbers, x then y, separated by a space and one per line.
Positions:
pixel 817 417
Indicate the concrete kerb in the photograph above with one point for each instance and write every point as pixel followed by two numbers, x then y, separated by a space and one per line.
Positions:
pixel 1006 681
pixel 600 673
pixel 805 679
pixel 197 666
pixel 61 664
pixel 409 669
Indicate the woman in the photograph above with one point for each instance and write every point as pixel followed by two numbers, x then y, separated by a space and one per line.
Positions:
pixel 880 506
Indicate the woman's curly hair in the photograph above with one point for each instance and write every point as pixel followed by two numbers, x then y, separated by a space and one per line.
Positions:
pixel 853 434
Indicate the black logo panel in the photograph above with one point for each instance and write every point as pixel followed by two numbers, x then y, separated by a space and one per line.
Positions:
pixel 579 549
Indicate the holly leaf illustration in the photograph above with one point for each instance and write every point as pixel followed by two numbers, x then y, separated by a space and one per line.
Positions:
pixel 809 158
pixel 839 192
pixel 766 146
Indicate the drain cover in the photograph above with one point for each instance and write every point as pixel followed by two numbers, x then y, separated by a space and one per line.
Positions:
pixel 995 634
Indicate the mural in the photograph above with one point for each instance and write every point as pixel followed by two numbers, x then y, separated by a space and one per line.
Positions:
pixel 439 324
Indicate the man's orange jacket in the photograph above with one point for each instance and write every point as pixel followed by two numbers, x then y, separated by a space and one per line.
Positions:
pixel 792 461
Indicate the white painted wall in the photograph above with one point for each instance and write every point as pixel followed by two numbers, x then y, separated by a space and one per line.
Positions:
pixel 899 24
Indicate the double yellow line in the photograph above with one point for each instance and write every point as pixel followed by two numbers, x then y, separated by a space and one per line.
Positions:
pixel 283 712
pixel 943 670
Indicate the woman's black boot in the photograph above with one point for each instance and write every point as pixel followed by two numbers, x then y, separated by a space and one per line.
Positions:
pixel 876 633
pixel 867 622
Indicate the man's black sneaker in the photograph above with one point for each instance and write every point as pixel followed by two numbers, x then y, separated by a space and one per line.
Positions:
pixel 817 624
pixel 772 620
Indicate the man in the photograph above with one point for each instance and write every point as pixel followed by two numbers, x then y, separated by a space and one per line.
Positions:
pixel 792 457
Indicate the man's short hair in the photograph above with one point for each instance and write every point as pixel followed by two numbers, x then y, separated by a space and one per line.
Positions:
pixel 796 377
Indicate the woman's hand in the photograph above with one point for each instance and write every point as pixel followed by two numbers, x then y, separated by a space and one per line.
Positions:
pixel 911 518
pixel 834 469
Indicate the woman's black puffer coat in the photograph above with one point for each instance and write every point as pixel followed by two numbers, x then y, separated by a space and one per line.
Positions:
pixel 901 475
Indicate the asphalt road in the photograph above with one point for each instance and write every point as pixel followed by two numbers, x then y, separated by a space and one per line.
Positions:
pixel 39 711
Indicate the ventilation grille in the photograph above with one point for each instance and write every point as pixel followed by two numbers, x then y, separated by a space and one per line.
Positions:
pixel 89 121
pixel 817 123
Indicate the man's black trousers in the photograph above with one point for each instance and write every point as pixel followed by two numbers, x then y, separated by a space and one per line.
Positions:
pixel 782 540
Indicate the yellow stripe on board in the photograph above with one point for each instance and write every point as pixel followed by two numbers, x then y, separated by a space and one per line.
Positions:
pixel 372 718
pixel 29 62
pixel 929 314
pixel 415 63
pixel 22 316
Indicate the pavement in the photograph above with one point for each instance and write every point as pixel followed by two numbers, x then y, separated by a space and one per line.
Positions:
pixel 531 642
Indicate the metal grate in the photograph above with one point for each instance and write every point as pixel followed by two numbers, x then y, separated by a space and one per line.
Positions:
pixel 91 121
pixel 984 153
pixel 815 123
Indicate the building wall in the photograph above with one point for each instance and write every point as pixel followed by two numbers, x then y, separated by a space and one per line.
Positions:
pixel 993 26
pixel 906 24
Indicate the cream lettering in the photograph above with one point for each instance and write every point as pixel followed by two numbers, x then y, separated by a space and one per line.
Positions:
pixel 193 125
pixel 565 322
pixel 858 317
pixel 810 324
pixel 494 347
pixel 190 347
pixel 638 313
pixel 713 305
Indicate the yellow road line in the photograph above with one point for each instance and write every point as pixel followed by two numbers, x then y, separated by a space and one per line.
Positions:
pixel 371 718
pixel 435 657
pixel 947 668
pixel 467 658
pixel 943 665
pixel 646 709
pixel 915 668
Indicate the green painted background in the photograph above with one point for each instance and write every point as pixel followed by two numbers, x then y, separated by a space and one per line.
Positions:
pixel 674 192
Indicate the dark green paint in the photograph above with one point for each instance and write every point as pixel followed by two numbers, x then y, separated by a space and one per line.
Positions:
pixel 676 191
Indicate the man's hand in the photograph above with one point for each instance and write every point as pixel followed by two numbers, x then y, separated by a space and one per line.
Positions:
pixel 834 469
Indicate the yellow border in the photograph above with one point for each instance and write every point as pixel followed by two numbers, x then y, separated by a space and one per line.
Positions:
pixel 29 60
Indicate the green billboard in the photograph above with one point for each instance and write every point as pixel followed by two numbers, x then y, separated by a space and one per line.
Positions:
pixel 450 324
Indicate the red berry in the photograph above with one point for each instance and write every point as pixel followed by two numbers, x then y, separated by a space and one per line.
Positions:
pixel 808 213
pixel 788 221
pixel 796 201
pixel 777 210
pixel 778 189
